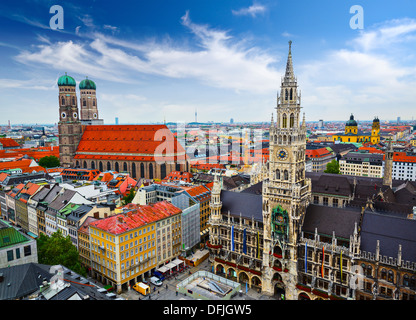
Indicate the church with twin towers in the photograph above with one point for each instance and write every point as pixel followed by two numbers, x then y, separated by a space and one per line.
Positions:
pixel 142 151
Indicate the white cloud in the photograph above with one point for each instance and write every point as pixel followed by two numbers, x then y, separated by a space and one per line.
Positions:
pixel 220 60
pixel 386 35
pixel 253 10
pixel 287 34
pixel 32 84
pixel 113 29
pixel 368 79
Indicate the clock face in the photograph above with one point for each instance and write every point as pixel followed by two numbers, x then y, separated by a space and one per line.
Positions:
pixel 75 115
pixel 282 154
pixel 63 115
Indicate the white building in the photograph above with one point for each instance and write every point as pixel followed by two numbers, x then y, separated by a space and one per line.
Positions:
pixel 404 166
pixel 16 248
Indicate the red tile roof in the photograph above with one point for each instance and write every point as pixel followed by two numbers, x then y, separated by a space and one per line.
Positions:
pixel 179 176
pixel 76 174
pixel 317 153
pixel 138 217
pixel 201 192
pixel 8 143
pixel 35 153
pixel 402 157
pixel 127 142
pixel 30 189
pixel 3 176
pixel 23 164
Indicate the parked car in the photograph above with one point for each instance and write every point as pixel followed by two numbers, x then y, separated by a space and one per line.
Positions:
pixel 156 281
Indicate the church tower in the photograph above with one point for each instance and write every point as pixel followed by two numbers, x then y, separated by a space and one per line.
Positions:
pixel 88 100
pixel 286 190
pixel 351 126
pixel 388 166
pixel 69 125
pixel 375 131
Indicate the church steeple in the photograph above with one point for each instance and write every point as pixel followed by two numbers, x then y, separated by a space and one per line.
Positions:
pixel 289 75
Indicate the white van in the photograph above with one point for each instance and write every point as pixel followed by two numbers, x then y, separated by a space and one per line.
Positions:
pixel 156 281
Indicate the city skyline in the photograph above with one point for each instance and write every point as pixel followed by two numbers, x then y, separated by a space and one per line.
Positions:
pixel 154 62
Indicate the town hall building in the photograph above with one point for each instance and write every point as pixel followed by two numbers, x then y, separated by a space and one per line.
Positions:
pixel 314 235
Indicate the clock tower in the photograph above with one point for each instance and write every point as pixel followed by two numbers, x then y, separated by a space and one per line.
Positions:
pixel 286 190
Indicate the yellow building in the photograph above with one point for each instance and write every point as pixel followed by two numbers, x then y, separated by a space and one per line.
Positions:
pixel 123 246
pixel 353 135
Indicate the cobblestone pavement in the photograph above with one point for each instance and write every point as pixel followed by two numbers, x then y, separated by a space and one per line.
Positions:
pixel 168 290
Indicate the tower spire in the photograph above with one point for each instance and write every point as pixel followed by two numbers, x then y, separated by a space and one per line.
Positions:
pixel 289 75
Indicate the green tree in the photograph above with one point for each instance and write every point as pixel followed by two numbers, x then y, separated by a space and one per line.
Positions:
pixel 332 167
pixel 58 249
pixel 49 162
pixel 129 197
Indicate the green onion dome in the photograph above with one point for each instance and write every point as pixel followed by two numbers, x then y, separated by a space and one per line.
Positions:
pixel 66 81
pixel 351 122
pixel 87 84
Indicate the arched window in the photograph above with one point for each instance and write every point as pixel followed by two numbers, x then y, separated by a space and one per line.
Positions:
pixel 369 271
pixel 108 166
pixel 390 276
pixel 77 164
pixel 84 102
pixel 292 119
pixel 162 170
pixel 406 280
pixel 85 164
pixel 291 94
pixel 73 101
pixel 277 174
pixel 177 167
pixel 286 175
pixel 383 274
pixel 284 121
pixel 125 166
pixel 93 102
pixel 100 166
pixel 286 94
pixel 117 168
pixel 150 171
pixel 133 170
pixel 63 101
pixel 92 165
pixel 141 170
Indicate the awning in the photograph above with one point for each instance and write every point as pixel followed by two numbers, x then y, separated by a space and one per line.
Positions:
pixel 170 265
pixel 163 269
pixel 177 262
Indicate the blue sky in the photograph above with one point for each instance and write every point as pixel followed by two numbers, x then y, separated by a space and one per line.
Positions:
pixel 161 59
